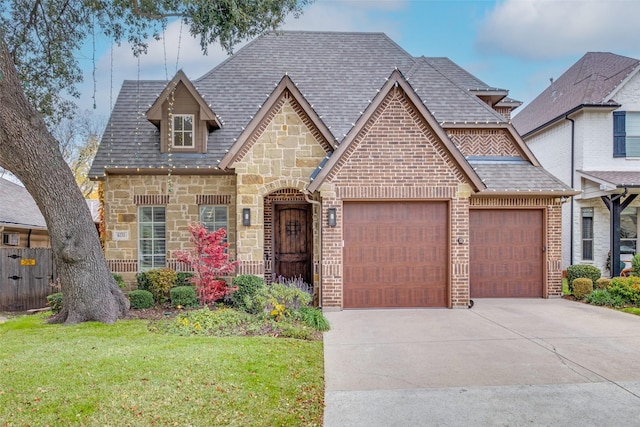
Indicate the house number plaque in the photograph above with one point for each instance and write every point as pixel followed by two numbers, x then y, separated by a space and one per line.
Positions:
pixel 27 261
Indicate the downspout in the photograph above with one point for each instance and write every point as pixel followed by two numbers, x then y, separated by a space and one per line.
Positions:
pixel 306 194
pixel 29 238
pixel 573 173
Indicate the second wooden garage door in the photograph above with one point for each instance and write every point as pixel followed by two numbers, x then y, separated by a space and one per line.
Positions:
pixel 506 253
pixel 395 254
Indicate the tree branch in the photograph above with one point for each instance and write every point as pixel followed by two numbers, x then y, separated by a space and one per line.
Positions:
pixel 138 12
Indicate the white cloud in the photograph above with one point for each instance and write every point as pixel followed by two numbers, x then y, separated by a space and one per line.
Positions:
pixel 546 29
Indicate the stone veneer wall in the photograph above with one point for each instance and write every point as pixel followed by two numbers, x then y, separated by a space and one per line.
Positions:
pixel 553 230
pixel 123 194
pixel 282 154
pixel 396 156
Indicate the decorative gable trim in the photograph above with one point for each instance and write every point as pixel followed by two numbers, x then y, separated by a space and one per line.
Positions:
pixel 285 90
pixel 395 80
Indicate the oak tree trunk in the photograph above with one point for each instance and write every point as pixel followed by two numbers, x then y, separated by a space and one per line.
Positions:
pixel 29 151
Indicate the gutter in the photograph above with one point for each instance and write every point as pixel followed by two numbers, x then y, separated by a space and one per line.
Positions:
pixel 573 173
pixel 307 197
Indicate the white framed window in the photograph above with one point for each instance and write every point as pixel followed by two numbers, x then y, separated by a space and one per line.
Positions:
pixel 182 131
pixel 587 234
pixel 152 242
pixel 629 231
pixel 626 134
pixel 214 217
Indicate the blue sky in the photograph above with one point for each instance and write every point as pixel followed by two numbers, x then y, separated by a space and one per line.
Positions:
pixel 512 44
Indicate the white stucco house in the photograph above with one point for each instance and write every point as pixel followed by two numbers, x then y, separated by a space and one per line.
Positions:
pixel 585 129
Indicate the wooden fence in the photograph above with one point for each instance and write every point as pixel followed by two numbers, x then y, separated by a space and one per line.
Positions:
pixel 25 275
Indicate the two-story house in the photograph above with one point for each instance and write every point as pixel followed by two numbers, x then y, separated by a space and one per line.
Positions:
pixel 383 179
pixel 585 129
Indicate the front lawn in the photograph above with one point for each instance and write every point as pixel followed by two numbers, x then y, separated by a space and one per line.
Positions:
pixel 123 375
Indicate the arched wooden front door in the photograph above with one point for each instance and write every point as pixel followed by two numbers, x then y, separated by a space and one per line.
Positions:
pixel 293 241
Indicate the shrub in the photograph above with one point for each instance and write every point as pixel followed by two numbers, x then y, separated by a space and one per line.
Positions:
pixel 314 318
pixel 55 302
pixel 141 299
pixel 582 286
pixel 143 281
pixel 184 296
pixel 183 279
pixel 209 261
pixel 278 300
pixel 599 297
pixel 244 297
pixel 119 281
pixel 603 283
pixel 627 288
pixel 635 265
pixel 296 282
pixel 160 281
pixel 582 271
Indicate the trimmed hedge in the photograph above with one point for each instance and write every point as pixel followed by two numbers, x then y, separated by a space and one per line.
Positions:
pixel 582 271
pixel 141 299
pixel 184 296
pixel 627 288
pixel 603 283
pixel 582 286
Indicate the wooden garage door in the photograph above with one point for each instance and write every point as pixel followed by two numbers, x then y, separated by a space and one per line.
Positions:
pixel 506 253
pixel 395 254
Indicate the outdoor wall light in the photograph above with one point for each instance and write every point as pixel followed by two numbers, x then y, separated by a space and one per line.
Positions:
pixel 332 217
pixel 460 240
pixel 246 217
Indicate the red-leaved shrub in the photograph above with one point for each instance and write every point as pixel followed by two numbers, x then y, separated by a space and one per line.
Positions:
pixel 209 261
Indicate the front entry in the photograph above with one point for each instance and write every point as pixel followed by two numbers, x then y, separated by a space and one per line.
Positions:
pixel 293 241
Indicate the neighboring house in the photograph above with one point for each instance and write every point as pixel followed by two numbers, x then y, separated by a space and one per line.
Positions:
pixel 384 179
pixel 21 223
pixel 585 129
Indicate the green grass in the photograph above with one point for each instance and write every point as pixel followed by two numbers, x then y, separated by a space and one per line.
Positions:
pixel 123 375
pixel 565 287
pixel 632 310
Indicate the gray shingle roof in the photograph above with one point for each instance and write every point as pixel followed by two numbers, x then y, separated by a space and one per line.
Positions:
pixel 17 207
pixel 615 178
pixel 338 73
pixel 590 81
pixel 518 177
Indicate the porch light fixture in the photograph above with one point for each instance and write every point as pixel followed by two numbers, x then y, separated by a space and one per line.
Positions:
pixel 246 217
pixel 332 215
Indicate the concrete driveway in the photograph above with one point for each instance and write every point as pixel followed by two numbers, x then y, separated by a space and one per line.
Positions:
pixel 505 362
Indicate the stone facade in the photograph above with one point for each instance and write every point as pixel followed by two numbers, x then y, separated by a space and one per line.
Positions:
pixel 124 194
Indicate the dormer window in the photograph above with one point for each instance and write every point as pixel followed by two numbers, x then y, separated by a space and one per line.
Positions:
pixel 183 117
pixel 182 132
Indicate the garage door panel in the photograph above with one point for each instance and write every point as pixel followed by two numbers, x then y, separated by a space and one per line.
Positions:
pixel 395 254
pixel 506 258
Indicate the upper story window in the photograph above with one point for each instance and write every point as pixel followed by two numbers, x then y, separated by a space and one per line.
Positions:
pixel 182 132
pixel 626 134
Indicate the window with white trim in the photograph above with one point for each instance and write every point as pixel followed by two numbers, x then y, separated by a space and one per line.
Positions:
pixel 587 234
pixel 152 242
pixel 182 132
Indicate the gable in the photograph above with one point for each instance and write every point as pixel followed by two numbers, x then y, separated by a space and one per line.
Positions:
pixel 484 142
pixel 397 147
pixel 285 144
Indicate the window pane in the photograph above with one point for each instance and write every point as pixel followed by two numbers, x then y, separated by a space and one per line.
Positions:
pixel 146 214
pixel 587 249
pixel 159 246
pixel 587 228
pixel 146 231
pixel 221 214
pixel 633 146
pixel 158 230
pixel 146 247
pixel 633 123
pixel 629 223
pixel 627 246
pixel 187 139
pixel 188 122
pixel 177 139
pixel 177 123
pixel 159 261
pixel 158 214
pixel 146 262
